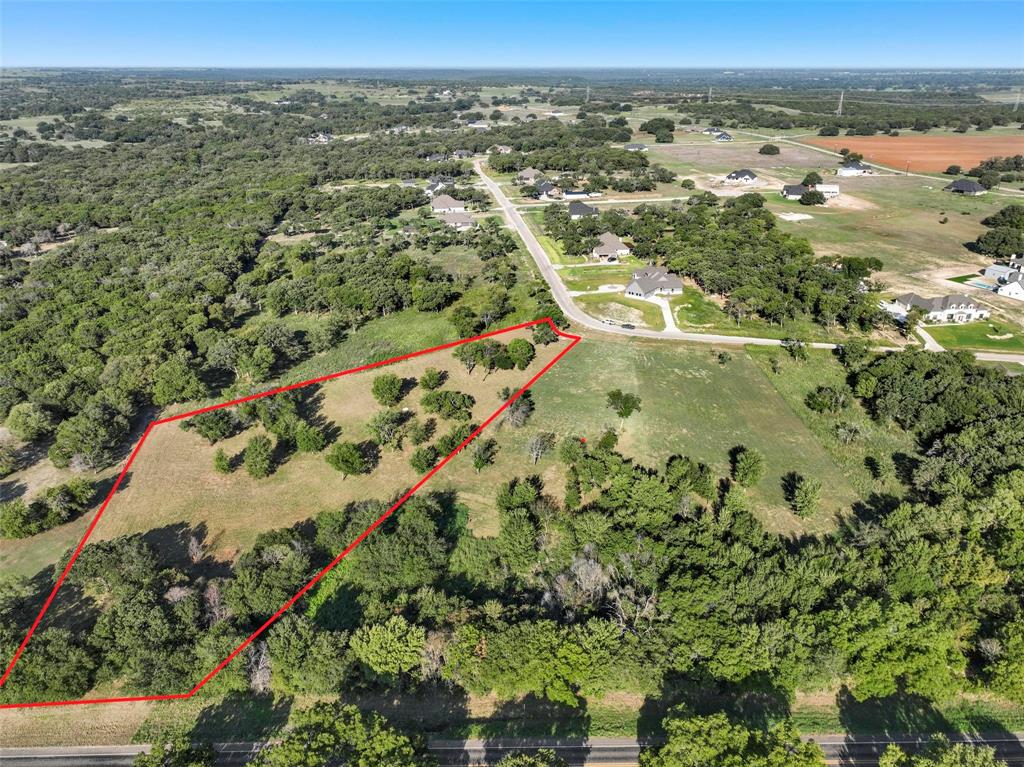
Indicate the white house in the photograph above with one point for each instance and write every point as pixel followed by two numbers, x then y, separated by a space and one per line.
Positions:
pixel 610 247
pixel 635 147
pixel 1001 273
pixel 1013 289
pixel 652 281
pixel 956 308
pixel 854 168
pixel 742 176
pixel 445 203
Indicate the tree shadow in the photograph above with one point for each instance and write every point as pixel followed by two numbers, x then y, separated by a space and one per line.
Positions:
pixel 790 482
pixel 242 717
pixel 533 717
pixel 430 709
pixel 10 491
pixel 898 714
pixel 186 548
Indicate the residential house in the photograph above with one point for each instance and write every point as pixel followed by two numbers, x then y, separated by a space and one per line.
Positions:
pixel 635 147
pixel 479 125
pixel 500 149
pixel 460 222
pixel 723 136
pixel 653 281
pixel 965 186
pixel 436 157
pixel 320 138
pixel 578 210
pixel 712 131
pixel 529 176
pixel 610 247
pixel 548 191
pixel 854 168
pixel 1001 273
pixel 742 176
pixel 794 191
pixel 955 308
pixel 1013 287
pixel 462 154
pixel 575 194
pixel 445 203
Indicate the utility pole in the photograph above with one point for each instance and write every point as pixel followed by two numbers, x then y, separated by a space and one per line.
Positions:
pixel 839 111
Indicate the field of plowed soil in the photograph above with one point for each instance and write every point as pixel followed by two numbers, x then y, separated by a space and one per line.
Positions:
pixel 926 154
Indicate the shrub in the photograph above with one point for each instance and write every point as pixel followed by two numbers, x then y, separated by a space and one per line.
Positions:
pixel 387 389
pixel 432 378
pixel 258 459
pixel 28 421
pixel 347 458
pixel 769 149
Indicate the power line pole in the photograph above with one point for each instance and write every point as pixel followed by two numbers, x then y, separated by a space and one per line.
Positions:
pixel 839 111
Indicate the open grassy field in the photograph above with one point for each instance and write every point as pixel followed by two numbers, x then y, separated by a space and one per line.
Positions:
pixel 982 336
pixel 693 157
pixel 926 153
pixel 593 277
pixel 556 254
pixel 613 306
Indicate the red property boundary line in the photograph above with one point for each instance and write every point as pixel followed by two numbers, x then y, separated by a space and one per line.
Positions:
pixel 362 536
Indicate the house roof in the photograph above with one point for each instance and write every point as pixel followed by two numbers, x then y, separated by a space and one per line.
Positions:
pixel 530 173
pixel 964 185
pixel 723 136
pixel 855 165
pixel 653 278
pixel 446 201
pixel 581 209
pixel 1001 271
pixel 635 146
pixel 545 186
pixel 456 219
pixel 938 304
pixel 610 245
pixel 794 189
pixel 736 175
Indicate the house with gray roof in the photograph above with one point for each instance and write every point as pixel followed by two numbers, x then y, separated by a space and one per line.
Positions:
pixel 445 203
pixel 578 210
pixel 460 222
pixel 741 176
pixel 854 168
pixel 635 147
pixel 723 136
pixel 954 308
pixel 653 281
pixel 610 247
pixel 794 191
pixel 529 175
pixel 965 186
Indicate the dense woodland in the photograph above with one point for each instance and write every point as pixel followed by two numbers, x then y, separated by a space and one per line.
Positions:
pixel 167 287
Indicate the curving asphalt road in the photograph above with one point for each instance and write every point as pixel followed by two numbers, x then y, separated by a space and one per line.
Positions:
pixel 515 219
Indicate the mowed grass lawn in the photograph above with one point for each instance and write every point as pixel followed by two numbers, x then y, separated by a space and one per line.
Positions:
pixel 695 311
pixel 556 254
pixel 613 306
pixel 593 277
pixel 691 405
pixel 984 336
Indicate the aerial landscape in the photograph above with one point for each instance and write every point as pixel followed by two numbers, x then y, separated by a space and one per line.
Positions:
pixel 518 384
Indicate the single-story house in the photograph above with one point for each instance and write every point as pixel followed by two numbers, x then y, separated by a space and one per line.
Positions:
pixel 547 190
pixel 529 176
pixel 500 149
pixel 578 210
pixel 742 176
pixel 575 194
pixel 436 157
pixel 794 191
pixel 635 147
pixel 952 308
pixel 460 222
pixel 434 187
pixel 829 190
pixel 1001 273
pixel 445 203
pixel 712 131
pixel 462 154
pixel 965 186
pixel 478 125
pixel 610 247
pixel 723 136
pixel 854 168
pixel 652 281
pixel 1013 288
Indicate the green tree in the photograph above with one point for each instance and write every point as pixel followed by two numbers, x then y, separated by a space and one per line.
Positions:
pixel 703 741
pixel 258 458
pixel 424 458
pixel 941 753
pixel 8 458
pixel 175 381
pixel 806 496
pixel 28 421
pixel 330 733
pixel 748 466
pixel 391 648
pixel 622 403
pixel 1007 671
pixel 521 352
pixel 308 438
pixel 543 758
pixel 347 458
pixel 388 428
pixel 221 462
pixel 484 451
pixel 387 389
pixel 431 379
pixel 812 179
pixel 812 197
pixel 769 149
pixel 176 750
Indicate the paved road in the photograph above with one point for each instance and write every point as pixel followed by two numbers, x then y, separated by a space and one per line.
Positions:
pixel 849 751
pixel 515 219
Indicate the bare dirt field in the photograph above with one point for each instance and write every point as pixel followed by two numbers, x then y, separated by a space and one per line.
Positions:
pixel 925 153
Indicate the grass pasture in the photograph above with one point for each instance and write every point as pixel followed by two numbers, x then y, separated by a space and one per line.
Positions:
pixel 985 336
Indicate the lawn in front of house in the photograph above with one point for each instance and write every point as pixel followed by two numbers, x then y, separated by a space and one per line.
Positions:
pixel 612 306
pixel 593 277
pixel 556 253
pixel 988 336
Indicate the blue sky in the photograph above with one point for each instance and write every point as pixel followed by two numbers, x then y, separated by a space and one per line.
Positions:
pixel 379 33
